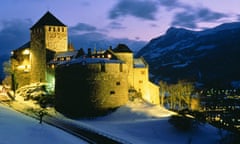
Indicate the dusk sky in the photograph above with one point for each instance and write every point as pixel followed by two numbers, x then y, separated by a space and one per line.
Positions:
pixel 132 19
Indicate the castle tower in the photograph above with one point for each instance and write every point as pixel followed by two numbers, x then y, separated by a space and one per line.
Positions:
pixel 125 54
pixel 47 33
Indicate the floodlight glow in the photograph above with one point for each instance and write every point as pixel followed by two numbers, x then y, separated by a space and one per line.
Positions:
pixel 26 52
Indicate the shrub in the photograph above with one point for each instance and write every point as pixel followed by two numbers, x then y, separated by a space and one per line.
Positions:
pixel 183 123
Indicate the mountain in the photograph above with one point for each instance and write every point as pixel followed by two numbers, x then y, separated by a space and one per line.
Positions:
pixel 99 40
pixel 210 57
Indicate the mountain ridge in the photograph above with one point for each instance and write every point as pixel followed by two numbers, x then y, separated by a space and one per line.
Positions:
pixel 209 57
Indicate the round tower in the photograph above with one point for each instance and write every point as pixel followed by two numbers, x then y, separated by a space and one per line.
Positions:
pixel 87 87
pixel 125 54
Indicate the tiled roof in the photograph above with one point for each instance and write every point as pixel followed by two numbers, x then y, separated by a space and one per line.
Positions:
pixel 26 45
pixel 48 19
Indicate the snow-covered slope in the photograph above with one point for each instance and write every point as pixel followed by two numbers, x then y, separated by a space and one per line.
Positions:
pixel 16 128
pixel 137 123
pixel 210 56
pixel 142 123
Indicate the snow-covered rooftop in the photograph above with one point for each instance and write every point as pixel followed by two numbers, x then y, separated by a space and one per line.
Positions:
pixel 84 61
pixel 139 63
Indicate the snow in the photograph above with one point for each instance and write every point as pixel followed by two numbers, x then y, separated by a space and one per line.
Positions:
pixel 208 47
pixel 142 123
pixel 137 122
pixel 181 65
pixel 16 128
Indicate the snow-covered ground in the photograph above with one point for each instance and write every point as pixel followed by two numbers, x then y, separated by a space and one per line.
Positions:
pixel 141 123
pixel 16 128
pixel 137 123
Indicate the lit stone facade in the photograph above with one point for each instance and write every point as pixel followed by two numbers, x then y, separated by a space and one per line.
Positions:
pixel 89 86
pixel 96 81
pixel 56 38
pixel 48 36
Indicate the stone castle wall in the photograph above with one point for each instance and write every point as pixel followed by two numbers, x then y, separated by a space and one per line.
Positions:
pixel 90 89
pixel 38 56
pixel 56 38
pixel 128 59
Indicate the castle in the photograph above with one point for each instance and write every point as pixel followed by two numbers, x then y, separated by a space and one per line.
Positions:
pixel 107 78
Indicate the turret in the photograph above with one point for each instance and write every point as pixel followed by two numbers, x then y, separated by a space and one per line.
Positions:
pixel 125 54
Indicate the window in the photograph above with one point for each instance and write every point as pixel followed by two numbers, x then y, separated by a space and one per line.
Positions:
pixel 103 69
pixel 62 29
pixel 121 67
pixel 142 72
pixel 140 81
pixel 118 83
pixel 54 29
pixel 49 29
pixel 58 29
pixel 68 58
pixel 112 92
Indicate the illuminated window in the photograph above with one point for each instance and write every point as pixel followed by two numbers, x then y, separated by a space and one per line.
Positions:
pixel 26 52
pixel 68 58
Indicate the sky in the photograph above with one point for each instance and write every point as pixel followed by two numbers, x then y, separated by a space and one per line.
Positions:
pixel 138 20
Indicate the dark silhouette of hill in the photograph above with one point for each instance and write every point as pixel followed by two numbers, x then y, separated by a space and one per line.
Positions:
pixel 209 57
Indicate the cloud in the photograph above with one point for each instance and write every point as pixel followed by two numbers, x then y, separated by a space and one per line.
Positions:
pixel 13 34
pixel 82 27
pixel 238 17
pixel 190 17
pixel 116 25
pixel 144 9
pixel 172 4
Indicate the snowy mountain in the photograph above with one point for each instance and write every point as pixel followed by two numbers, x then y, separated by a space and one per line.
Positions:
pixel 209 57
pixel 102 41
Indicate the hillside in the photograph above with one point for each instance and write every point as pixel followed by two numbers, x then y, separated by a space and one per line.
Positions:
pixel 137 122
pixel 209 57
pixel 17 128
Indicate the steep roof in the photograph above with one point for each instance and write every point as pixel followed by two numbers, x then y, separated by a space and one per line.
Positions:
pixel 47 19
pixel 122 48
pixel 24 46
